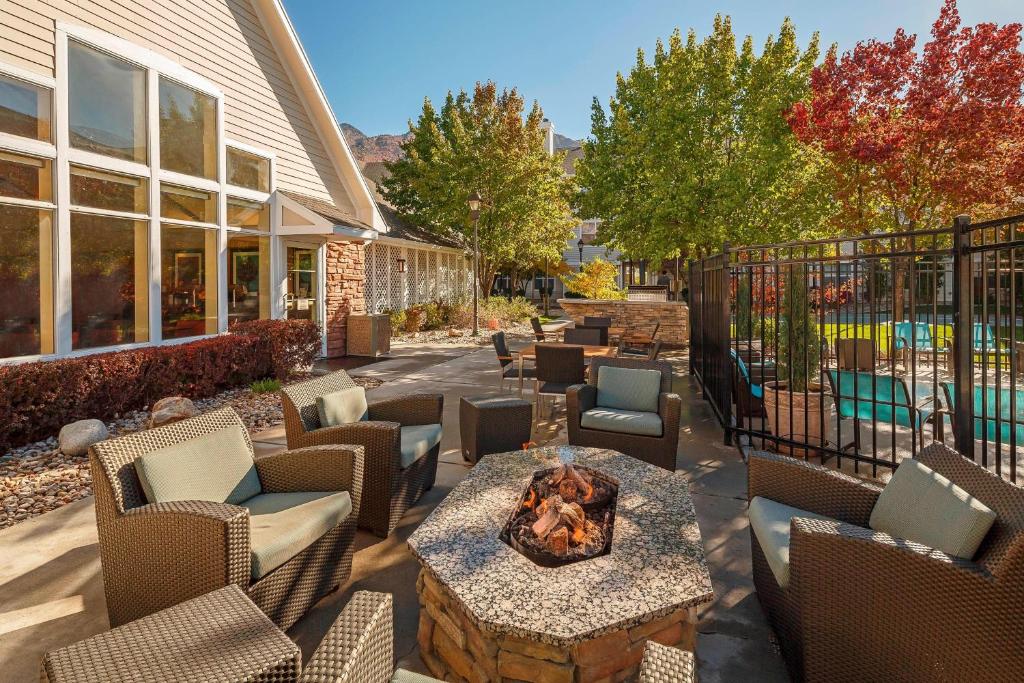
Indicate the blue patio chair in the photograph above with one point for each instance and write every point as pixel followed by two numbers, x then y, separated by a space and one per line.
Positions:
pixel 748 388
pixel 909 336
pixel 994 416
pixel 878 398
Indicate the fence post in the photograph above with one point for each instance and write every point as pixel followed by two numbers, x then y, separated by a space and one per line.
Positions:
pixel 963 374
pixel 689 305
pixel 726 338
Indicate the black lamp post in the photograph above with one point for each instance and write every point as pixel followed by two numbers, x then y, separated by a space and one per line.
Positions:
pixel 579 245
pixel 474 212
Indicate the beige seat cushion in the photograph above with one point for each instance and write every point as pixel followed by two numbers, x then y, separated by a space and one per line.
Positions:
pixel 769 520
pixel 622 421
pixel 217 467
pixel 417 440
pixel 921 505
pixel 342 407
pixel 633 389
pixel 282 525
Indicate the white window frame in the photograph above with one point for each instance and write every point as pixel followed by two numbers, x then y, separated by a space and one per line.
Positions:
pixel 62 156
pixel 43 150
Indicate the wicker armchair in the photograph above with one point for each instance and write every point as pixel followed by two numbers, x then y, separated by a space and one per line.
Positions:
pixel 656 450
pixel 221 636
pixel 388 488
pixel 155 555
pixel 862 605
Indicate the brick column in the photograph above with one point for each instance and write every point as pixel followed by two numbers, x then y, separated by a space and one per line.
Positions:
pixel 346 290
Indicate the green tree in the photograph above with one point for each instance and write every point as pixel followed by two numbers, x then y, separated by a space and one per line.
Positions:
pixel 596 280
pixel 694 147
pixel 485 143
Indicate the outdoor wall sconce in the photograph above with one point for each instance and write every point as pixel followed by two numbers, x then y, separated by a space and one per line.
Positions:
pixel 401 265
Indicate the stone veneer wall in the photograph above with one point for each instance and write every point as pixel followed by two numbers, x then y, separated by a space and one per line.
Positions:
pixel 641 315
pixel 346 291
pixel 455 649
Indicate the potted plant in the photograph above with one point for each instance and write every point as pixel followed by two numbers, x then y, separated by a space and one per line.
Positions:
pixel 794 401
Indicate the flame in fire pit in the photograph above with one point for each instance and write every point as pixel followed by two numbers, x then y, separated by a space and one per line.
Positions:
pixel 564 515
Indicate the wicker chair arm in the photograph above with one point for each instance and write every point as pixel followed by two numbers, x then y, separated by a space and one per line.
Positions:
pixel 670 407
pixel 579 398
pixel 664 664
pixel 830 541
pixel 205 540
pixel 408 410
pixel 359 645
pixel 314 468
pixel 811 487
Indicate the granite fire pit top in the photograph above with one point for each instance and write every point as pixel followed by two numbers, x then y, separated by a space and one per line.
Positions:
pixel 656 565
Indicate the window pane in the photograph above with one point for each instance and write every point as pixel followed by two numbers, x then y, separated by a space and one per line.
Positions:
pixel 248 278
pixel 109 281
pixel 188 130
pixel 106 104
pixel 26 279
pixel 25 177
pixel 24 109
pixel 248 170
pixel 245 214
pixel 105 190
pixel 186 204
pixel 188 304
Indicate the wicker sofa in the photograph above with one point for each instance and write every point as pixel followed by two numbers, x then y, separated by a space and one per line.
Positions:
pixel 862 605
pixel 155 555
pixel 656 450
pixel 389 489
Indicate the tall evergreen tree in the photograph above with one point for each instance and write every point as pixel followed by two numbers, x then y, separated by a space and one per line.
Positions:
pixel 485 143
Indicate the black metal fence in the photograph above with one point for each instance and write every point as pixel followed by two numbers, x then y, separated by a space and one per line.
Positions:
pixel 865 349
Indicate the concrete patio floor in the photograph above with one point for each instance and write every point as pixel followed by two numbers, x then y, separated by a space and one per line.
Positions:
pixel 51 587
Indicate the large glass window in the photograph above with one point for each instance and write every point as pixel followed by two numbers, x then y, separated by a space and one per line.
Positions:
pixel 249 170
pixel 243 213
pixel 188 130
pixel 110 191
pixel 106 104
pixel 26 280
pixel 24 177
pixel 248 278
pixel 109 281
pixel 187 204
pixel 188 305
pixel 25 109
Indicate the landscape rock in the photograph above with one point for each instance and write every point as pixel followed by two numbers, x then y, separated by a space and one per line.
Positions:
pixel 171 409
pixel 75 438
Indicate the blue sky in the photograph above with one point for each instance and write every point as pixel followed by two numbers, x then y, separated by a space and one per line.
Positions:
pixel 378 59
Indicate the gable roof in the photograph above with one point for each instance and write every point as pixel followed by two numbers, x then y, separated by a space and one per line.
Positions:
pixel 326 210
pixel 282 34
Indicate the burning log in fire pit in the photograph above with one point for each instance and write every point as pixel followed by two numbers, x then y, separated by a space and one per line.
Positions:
pixel 565 515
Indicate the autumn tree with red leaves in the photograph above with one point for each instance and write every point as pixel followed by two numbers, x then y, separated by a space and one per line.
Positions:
pixel 914 139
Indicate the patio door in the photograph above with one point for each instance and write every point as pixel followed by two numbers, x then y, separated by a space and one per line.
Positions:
pixel 303 275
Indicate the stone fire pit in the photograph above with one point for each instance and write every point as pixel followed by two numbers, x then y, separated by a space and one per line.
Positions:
pixel 490 614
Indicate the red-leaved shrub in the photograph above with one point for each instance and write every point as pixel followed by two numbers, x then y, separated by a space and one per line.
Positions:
pixel 292 343
pixel 39 398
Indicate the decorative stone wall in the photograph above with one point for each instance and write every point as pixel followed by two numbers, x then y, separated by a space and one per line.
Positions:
pixel 345 286
pixel 674 316
pixel 455 648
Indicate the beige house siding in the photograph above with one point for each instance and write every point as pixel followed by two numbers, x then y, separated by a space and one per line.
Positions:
pixel 221 40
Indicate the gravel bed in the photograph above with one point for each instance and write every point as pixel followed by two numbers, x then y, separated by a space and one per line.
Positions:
pixel 37 478
pixel 465 336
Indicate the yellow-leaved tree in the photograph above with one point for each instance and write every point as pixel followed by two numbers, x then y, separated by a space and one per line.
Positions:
pixel 595 281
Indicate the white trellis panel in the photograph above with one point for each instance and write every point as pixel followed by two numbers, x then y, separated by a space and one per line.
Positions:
pixel 432 281
pixel 423 278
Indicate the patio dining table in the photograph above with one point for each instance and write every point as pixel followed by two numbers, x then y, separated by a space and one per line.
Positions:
pixel 589 351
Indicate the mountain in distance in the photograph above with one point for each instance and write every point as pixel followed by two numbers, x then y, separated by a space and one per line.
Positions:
pixel 369 149
pixel 566 142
